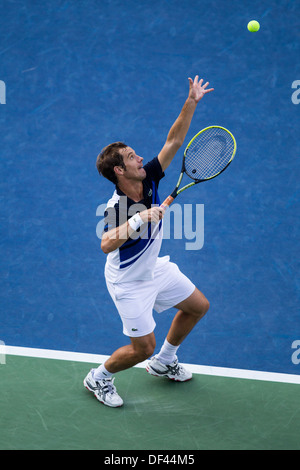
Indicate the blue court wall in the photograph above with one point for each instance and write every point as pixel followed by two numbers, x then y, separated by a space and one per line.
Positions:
pixel 81 74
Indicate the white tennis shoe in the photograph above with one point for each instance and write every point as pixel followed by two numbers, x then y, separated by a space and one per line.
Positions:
pixel 173 371
pixel 104 390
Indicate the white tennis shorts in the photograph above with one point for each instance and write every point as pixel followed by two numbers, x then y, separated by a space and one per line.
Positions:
pixel 136 300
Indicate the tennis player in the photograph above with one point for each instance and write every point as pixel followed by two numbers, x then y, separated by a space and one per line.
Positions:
pixel 137 279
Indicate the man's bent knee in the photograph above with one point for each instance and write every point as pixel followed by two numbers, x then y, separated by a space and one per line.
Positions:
pixel 198 310
pixel 143 353
pixel 205 307
pixel 197 304
pixel 144 347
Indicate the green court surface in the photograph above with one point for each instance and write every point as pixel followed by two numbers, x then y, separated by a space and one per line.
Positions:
pixel 45 406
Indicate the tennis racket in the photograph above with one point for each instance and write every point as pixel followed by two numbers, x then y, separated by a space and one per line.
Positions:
pixel 206 156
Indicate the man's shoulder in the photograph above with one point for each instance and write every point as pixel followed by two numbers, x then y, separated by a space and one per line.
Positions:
pixel 153 164
pixel 114 200
pixel 153 170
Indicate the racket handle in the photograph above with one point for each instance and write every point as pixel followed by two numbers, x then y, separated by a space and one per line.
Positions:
pixel 167 202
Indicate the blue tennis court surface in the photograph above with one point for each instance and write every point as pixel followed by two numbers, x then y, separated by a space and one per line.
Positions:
pixel 80 75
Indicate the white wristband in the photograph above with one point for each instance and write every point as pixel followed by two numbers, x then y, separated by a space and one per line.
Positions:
pixel 135 222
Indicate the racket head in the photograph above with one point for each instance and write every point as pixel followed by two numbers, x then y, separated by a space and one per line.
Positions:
pixel 209 153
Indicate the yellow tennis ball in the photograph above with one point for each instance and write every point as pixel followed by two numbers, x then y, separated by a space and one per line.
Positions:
pixel 253 26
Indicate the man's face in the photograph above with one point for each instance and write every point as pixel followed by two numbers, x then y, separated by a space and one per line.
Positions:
pixel 134 165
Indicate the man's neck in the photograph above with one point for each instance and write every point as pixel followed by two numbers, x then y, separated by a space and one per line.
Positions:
pixel 133 190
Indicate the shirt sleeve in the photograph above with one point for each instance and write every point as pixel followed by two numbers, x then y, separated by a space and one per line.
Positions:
pixel 154 171
pixel 115 215
pixel 110 219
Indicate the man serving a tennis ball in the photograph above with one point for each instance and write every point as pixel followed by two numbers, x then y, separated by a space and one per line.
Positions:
pixel 137 279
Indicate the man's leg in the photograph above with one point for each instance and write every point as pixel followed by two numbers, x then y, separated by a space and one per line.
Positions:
pixel 100 381
pixel 165 363
pixel 191 310
pixel 128 356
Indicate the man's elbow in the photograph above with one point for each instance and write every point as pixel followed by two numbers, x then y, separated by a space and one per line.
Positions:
pixel 176 143
pixel 105 246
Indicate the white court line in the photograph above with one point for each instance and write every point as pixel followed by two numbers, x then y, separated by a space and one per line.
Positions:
pixel 194 368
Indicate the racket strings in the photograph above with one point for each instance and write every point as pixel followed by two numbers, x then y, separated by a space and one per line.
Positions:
pixel 209 153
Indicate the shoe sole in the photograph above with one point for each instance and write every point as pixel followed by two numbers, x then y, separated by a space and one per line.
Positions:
pixel 151 372
pixel 97 398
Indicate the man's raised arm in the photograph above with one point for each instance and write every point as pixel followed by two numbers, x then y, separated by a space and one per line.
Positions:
pixel 181 126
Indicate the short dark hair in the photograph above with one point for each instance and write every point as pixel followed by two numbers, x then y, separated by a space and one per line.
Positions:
pixel 108 158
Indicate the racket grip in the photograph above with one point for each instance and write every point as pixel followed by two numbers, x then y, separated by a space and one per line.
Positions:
pixel 167 202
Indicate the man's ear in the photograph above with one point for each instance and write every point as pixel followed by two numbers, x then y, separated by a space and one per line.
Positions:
pixel 119 170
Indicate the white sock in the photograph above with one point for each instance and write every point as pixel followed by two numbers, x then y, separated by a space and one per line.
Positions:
pixel 167 353
pixel 101 373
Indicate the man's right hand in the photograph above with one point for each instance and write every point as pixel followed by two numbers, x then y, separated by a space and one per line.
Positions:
pixel 153 215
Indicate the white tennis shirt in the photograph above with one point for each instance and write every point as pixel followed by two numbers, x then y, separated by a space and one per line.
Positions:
pixel 137 257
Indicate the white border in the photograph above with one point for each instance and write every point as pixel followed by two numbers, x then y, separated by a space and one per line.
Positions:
pixel 194 368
